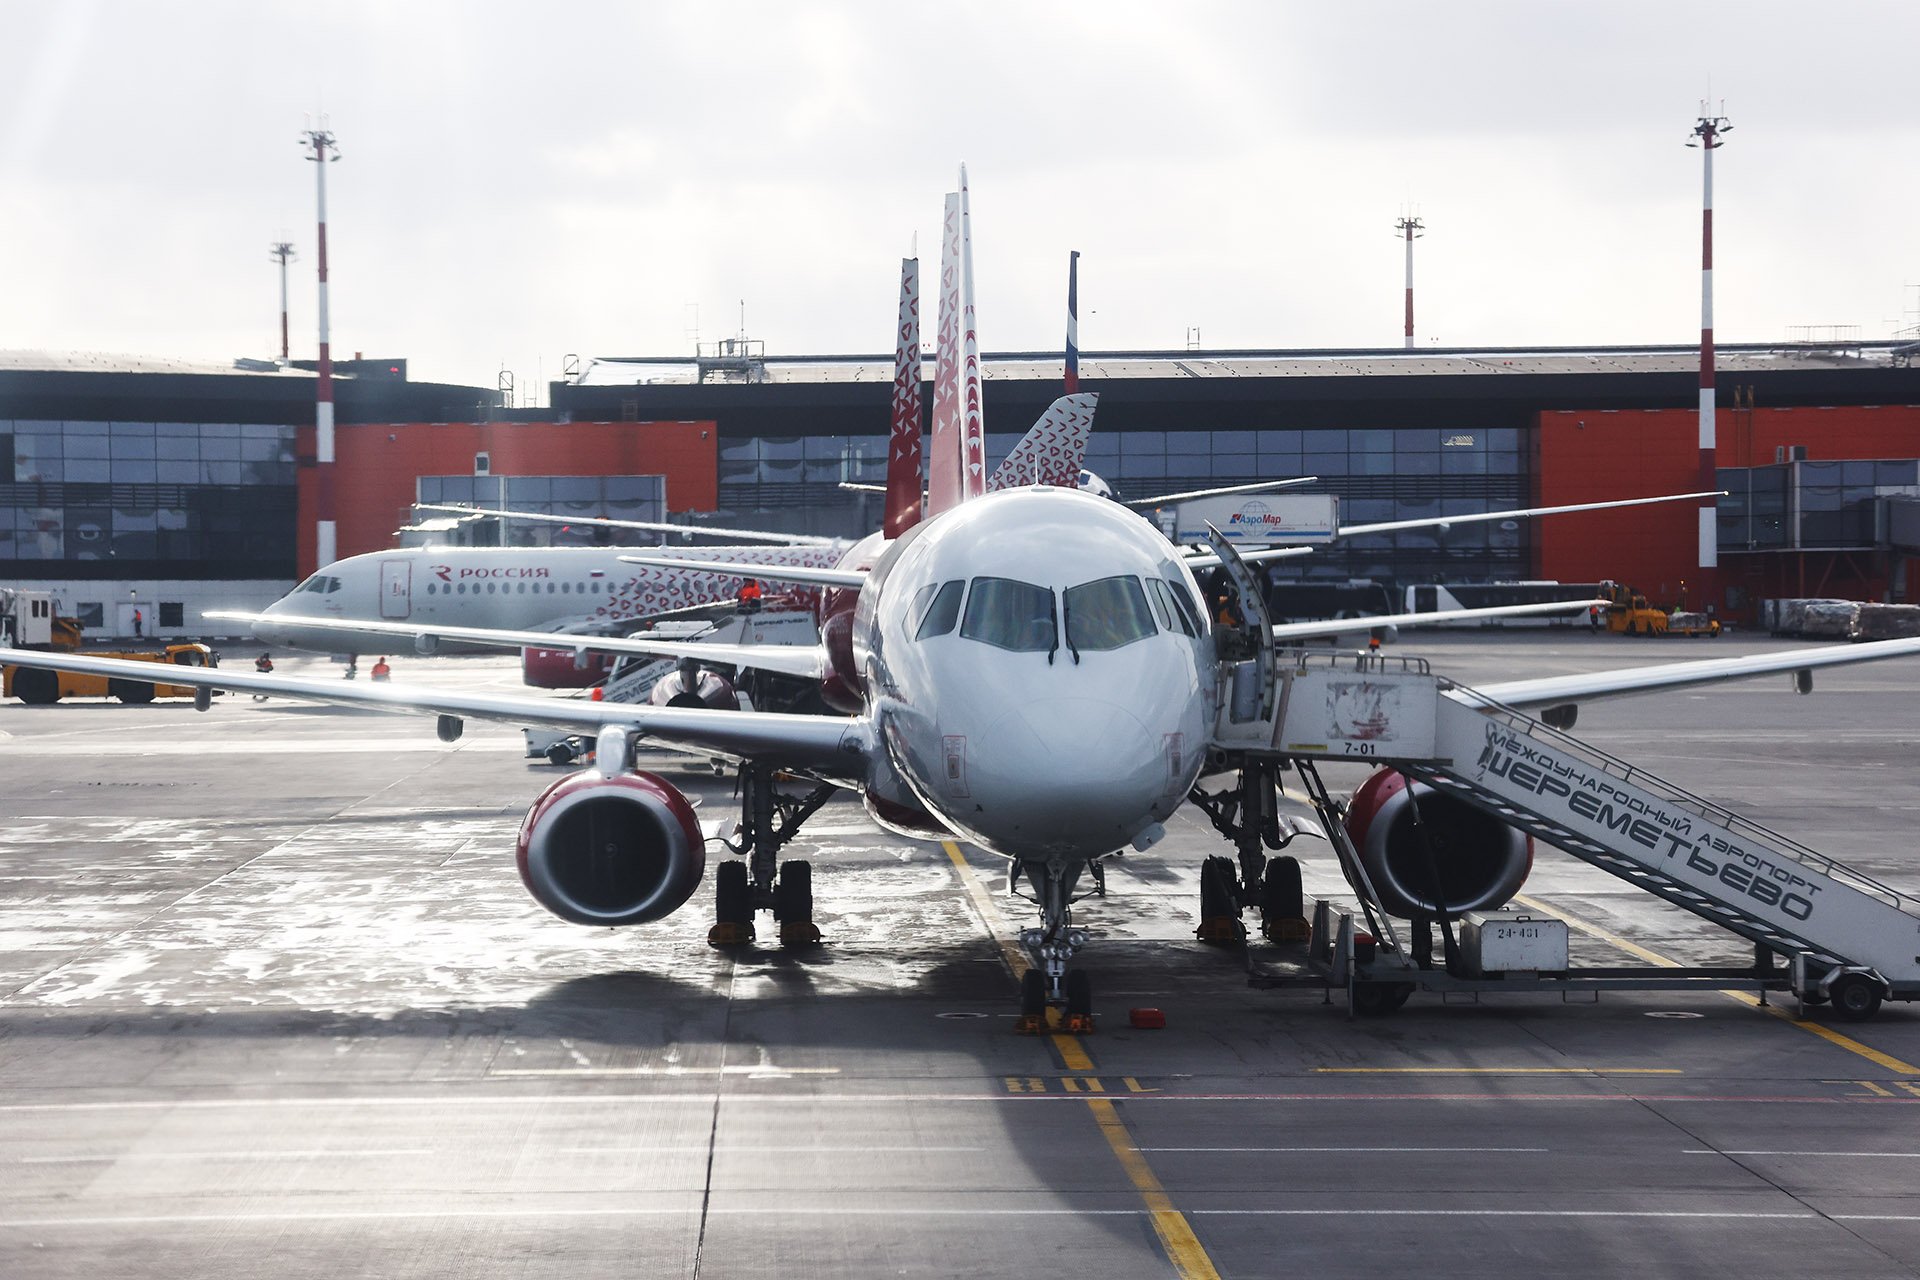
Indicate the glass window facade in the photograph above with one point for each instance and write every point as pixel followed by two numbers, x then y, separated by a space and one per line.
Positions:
pixel 1379 473
pixel 1814 505
pixel 592 497
pixel 82 499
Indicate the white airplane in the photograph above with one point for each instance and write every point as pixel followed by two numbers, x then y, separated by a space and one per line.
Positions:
pixel 457 595
pixel 1034 673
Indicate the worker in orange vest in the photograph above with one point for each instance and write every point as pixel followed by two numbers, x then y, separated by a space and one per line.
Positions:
pixel 381 671
pixel 749 596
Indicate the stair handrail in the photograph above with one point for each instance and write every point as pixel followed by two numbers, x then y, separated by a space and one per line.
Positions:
pixel 1698 805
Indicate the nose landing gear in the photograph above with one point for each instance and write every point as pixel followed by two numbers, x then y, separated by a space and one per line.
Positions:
pixel 1050 981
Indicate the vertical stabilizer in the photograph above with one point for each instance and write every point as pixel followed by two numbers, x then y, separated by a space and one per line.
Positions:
pixel 943 445
pixel 1054 450
pixel 903 442
pixel 1073 322
pixel 973 429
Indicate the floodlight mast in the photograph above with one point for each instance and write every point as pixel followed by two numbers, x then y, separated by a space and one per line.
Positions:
pixel 1411 228
pixel 282 253
pixel 321 143
pixel 1707 131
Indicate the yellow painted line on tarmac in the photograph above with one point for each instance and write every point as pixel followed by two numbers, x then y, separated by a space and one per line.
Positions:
pixel 1500 1071
pixel 1177 1241
pixel 1826 1033
pixel 1009 950
pixel 1182 1247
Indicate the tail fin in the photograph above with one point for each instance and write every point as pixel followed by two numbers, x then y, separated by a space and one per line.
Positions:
pixel 973 428
pixel 943 445
pixel 1073 322
pixel 1054 450
pixel 903 442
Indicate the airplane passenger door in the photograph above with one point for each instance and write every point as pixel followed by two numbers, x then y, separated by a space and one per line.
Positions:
pixel 396 588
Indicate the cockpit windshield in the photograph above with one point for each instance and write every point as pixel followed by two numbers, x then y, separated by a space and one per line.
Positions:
pixel 1011 615
pixel 320 583
pixel 1107 614
pixel 940 616
pixel 1174 598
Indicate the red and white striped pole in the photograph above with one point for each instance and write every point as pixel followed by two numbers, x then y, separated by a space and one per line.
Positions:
pixel 1706 133
pixel 324 150
pixel 283 254
pixel 1410 227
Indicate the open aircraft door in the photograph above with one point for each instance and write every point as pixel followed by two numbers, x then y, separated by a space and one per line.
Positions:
pixel 396 588
pixel 1248 710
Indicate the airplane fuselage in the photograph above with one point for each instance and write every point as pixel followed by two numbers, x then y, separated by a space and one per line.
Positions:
pixel 506 588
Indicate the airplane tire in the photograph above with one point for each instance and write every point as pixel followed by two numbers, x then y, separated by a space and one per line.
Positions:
pixel 36 688
pixel 793 894
pixel 1856 997
pixel 560 753
pixel 1079 992
pixel 732 894
pixel 1033 993
pixel 1216 889
pixel 1280 897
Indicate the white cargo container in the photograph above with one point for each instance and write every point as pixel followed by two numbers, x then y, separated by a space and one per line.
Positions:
pixel 1513 941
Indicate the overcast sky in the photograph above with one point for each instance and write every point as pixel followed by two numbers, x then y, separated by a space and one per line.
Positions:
pixel 522 181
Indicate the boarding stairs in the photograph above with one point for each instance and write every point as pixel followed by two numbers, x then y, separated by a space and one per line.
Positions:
pixel 1827 919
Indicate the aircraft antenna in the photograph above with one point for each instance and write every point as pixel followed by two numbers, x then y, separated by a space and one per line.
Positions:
pixel 1411 227
pixel 319 141
pixel 282 253
pixel 1707 135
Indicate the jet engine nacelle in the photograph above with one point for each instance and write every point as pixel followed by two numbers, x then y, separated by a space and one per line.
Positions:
pixel 1481 860
pixel 611 850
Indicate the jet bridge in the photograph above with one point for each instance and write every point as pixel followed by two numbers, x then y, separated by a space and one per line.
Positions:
pixel 1843 935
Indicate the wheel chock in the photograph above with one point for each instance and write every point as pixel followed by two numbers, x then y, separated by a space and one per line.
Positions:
pixel 728 933
pixel 1030 1024
pixel 1144 1019
pixel 799 933
pixel 1286 929
pixel 1078 1024
pixel 1221 929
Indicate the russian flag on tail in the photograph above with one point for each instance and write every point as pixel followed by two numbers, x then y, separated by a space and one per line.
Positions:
pixel 1073 321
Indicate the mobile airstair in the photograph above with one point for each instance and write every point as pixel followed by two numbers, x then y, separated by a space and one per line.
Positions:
pixel 1840 934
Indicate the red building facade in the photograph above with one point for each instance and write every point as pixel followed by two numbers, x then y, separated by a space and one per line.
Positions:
pixel 378 463
pixel 1591 455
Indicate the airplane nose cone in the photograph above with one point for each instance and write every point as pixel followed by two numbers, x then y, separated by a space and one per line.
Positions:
pixel 1073 775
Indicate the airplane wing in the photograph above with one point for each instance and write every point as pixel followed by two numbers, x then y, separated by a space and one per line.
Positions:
pixel 1258 486
pixel 1294 630
pixel 1209 561
pixel 1559 690
pixel 595 522
pixel 789 659
pixel 825 743
pixel 1389 526
pixel 759 572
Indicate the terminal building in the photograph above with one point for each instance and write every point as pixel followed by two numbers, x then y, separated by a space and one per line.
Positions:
pixel 174 488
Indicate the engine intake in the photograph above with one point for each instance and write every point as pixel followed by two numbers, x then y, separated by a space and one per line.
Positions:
pixel 1481 860
pixel 611 850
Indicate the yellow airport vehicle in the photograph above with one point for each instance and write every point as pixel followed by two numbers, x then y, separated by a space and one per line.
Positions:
pixel 43 688
pixel 1627 612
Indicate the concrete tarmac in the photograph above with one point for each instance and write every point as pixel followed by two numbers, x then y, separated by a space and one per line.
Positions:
pixel 273 1002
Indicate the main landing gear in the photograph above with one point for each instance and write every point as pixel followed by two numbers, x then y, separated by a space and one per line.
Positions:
pixel 768 819
pixel 1052 945
pixel 1248 814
